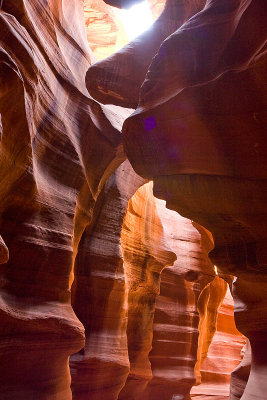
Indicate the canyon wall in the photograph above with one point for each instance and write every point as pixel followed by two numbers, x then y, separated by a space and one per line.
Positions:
pixel 104 293
pixel 204 95
pixel 148 297
pixel 58 146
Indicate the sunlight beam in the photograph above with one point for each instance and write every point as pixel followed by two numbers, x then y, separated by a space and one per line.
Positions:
pixel 136 19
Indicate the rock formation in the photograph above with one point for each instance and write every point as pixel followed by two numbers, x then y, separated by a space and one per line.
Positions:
pixel 225 349
pixel 204 95
pixel 146 252
pixel 95 272
pixel 176 336
pixel 240 374
pixel 109 80
pixel 119 266
pixel 58 146
pixel 104 30
pixel 99 294
pixel 4 255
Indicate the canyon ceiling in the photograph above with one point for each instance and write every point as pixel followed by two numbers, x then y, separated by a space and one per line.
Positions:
pixel 133 192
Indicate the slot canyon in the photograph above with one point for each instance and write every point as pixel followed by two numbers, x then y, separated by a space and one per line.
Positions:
pixel 133 192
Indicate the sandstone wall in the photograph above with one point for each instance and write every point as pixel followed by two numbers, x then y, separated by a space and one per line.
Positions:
pixel 50 169
pixel 198 132
pixel 92 265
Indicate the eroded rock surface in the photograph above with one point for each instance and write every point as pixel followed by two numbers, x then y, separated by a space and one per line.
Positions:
pixel 109 80
pixel 199 133
pixel 142 343
pixel 117 274
pixel 99 294
pixel 177 319
pixel 240 374
pixel 4 254
pixel 224 351
pixel 104 30
pixel 56 143
pixel 146 253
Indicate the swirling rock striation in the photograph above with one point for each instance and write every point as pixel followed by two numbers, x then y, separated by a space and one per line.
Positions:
pixel 218 357
pixel 104 30
pixel 146 253
pixel 176 323
pixel 99 294
pixel 198 132
pixel 58 146
pixel 118 275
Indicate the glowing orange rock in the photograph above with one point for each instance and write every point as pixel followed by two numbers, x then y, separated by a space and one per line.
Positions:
pixel 199 133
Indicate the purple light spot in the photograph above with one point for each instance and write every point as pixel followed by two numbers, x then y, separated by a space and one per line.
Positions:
pixel 162 53
pixel 149 123
pixel 173 153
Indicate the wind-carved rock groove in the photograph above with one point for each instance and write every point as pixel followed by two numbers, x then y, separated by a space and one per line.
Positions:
pixel 58 147
pixel 197 132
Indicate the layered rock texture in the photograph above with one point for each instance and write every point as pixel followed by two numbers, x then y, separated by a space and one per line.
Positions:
pixel 198 131
pixel 146 271
pixel 104 30
pixel 100 295
pixel 106 291
pixel 51 172
pixel 225 349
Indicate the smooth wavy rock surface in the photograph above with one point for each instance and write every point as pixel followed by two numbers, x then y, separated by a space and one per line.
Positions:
pixel 4 254
pixel 99 294
pixel 240 375
pixel 109 80
pixel 199 132
pixel 142 315
pixel 146 253
pixel 205 91
pixel 225 350
pixel 104 30
pixel 139 321
pixel 177 317
pixel 116 283
pixel 57 148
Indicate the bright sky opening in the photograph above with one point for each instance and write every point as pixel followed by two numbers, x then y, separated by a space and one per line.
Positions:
pixel 136 19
